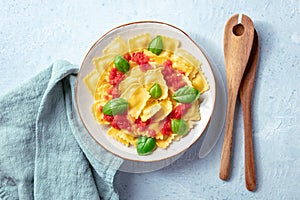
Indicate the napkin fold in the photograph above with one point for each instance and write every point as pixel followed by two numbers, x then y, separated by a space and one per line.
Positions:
pixel 45 152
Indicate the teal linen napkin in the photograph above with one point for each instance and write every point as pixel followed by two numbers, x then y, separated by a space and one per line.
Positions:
pixel 44 150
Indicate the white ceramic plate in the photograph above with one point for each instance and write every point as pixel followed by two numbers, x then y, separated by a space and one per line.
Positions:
pixel 84 100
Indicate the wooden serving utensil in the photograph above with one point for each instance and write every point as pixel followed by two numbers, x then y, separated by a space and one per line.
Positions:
pixel 245 93
pixel 238 40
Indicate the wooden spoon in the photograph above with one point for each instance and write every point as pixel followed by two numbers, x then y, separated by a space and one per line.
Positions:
pixel 246 99
pixel 238 39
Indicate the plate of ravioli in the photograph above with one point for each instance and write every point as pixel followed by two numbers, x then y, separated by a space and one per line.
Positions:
pixel 145 91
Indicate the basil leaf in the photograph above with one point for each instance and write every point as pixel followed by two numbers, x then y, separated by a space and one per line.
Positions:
pixel 115 107
pixel 179 126
pixel 155 91
pixel 145 145
pixel 121 64
pixel 156 45
pixel 186 94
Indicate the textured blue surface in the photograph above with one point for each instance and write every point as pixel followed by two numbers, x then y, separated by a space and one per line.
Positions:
pixel 34 34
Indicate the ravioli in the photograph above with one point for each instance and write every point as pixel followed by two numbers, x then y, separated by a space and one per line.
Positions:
pixel 188 57
pixel 164 143
pixel 102 63
pixel 150 110
pixel 200 82
pixel 117 46
pixel 193 113
pixel 145 114
pixel 137 97
pixel 170 44
pixel 132 78
pixel 165 110
pixel 120 136
pixel 139 42
pixel 91 81
pixel 183 66
pixel 157 59
pixel 100 92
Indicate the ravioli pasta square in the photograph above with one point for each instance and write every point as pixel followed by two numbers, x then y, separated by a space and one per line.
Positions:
pixel 166 109
pixel 165 142
pixel 139 42
pixel 117 46
pixel 188 57
pixel 102 63
pixel 137 98
pixel 170 44
pixel 132 78
pixel 193 113
pixel 91 81
pixel 150 110
pixel 159 136
pixel 200 82
pixel 157 59
pixel 116 134
pixel 181 65
pixel 100 92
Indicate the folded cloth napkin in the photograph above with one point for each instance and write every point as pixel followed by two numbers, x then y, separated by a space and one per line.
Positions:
pixel 45 152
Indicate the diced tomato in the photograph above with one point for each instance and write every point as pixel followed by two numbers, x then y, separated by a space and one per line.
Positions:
pixel 110 90
pixel 122 122
pixel 115 76
pixel 127 56
pixel 181 72
pixel 114 92
pixel 152 132
pixel 142 126
pixel 108 118
pixel 106 97
pixel 179 111
pixel 140 58
pixel 167 63
pixel 166 129
pixel 145 67
pixel 114 124
pixel 176 113
pixel 100 108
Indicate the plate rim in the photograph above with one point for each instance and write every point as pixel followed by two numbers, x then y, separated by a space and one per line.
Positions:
pixel 103 36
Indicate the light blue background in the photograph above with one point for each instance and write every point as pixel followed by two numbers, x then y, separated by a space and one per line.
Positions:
pixel 33 34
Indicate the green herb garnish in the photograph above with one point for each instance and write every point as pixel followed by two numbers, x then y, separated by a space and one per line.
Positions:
pixel 121 64
pixel 179 126
pixel 145 145
pixel 115 107
pixel 186 94
pixel 156 45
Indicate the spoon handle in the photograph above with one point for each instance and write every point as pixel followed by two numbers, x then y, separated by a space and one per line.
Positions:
pixel 249 154
pixel 245 93
pixel 227 144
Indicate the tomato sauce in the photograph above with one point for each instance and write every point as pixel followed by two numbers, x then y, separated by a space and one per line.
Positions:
pixel 173 78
